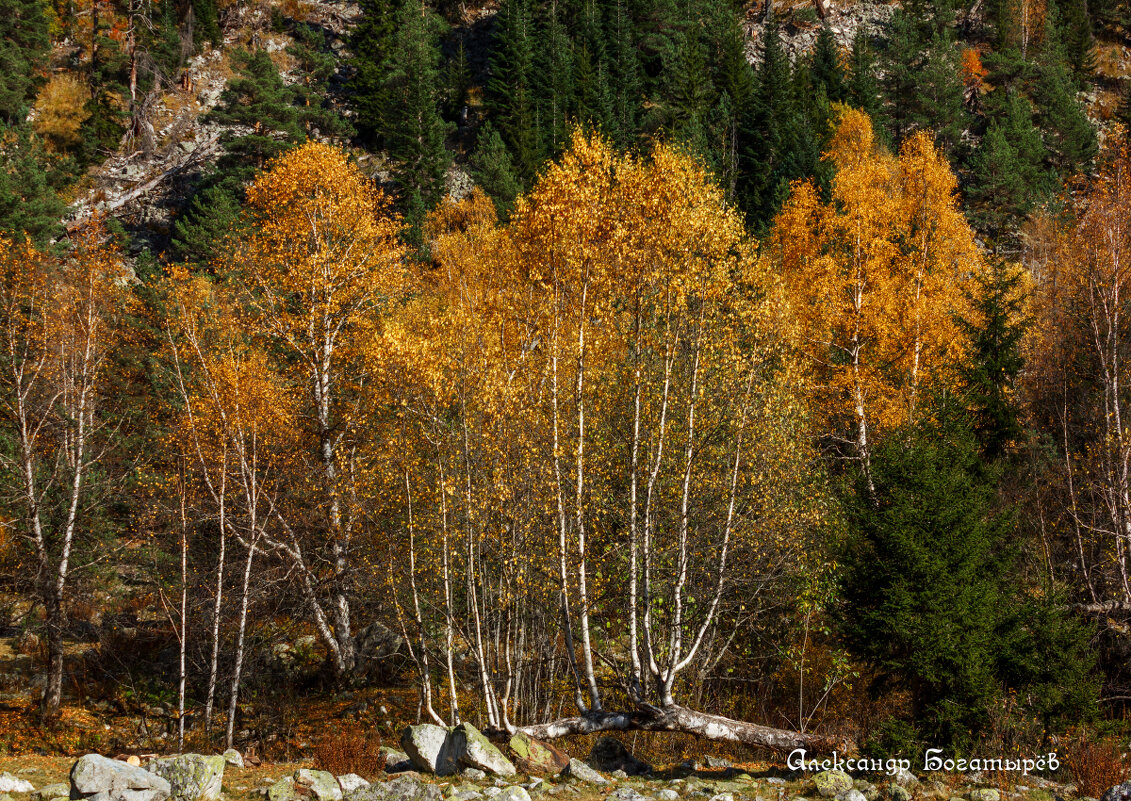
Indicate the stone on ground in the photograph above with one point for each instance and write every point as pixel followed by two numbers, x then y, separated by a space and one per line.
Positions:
pixel 850 795
pixel 717 762
pixel 576 769
pixel 14 784
pixel 905 778
pixel 51 792
pixel 430 749
pixel 626 794
pixel 609 754
pixel 191 777
pixel 112 780
pixel 985 794
pixel 350 782
pixel 474 750
pixel 831 783
pixel 667 794
pixel 395 761
pixel 317 784
pixel 897 792
pixel 1120 792
pixel 402 788
pixel 514 793
pixel 535 756
pixel 282 790
pixel 722 797
pixel 233 757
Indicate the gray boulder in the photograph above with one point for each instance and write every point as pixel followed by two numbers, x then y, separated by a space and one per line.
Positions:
pixel 350 782
pixel 476 751
pixel 535 756
pixel 402 788
pixel 905 778
pixel 191 777
pixel 14 784
pixel 430 749
pixel 609 754
pixel 282 790
pixel 1121 792
pixel 576 769
pixel 667 794
pixel 851 795
pixel 110 780
pixel 319 785
pixel 831 783
pixel 233 758
pixel 377 649
pixel 395 761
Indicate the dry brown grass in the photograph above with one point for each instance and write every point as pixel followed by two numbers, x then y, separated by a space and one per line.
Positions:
pixel 350 751
pixel 1097 765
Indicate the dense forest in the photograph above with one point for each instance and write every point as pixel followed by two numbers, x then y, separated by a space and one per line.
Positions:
pixel 751 372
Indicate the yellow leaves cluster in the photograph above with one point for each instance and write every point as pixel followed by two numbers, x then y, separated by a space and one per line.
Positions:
pixel 60 110
pixel 875 275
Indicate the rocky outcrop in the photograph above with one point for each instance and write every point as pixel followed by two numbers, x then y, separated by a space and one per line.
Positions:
pixel 430 749
pixel 609 754
pixel 395 761
pixel 472 750
pixel 535 756
pixel 350 782
pixel 378 647
pixel 192 777
pixel 1120 792
pixel 95 776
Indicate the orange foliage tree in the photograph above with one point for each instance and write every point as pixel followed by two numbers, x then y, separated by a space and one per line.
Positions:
pixel 57 316
pixel 874 277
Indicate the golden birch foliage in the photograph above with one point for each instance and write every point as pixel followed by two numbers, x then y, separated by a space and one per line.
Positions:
pixel 617 278
pixel 874 278
pixel 60 110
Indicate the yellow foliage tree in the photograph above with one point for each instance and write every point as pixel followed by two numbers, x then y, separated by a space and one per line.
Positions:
pixel 60 110
pixel 874 277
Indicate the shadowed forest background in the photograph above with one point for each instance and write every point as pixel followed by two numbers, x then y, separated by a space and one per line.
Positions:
pixel 745 372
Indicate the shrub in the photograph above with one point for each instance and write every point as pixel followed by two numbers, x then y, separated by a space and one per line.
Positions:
pixel 1097 765
pixel 61 110
pixel 350 751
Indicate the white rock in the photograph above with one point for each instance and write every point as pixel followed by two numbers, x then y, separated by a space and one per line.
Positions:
pixel 12 784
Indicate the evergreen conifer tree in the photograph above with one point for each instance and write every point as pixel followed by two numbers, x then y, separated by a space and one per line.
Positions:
pixel 510 86
pixel 925 571
pixel 995 330
pixel 826 69
pixel 24 47
pixel 493 170
pixel 372 47
pixel 553 84
pixel 1069 136
pixel 416 136
pixel 29 203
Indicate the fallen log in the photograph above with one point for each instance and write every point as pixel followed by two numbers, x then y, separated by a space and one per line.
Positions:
pixel 677 718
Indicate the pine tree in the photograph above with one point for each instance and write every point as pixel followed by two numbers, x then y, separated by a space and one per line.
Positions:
pixel 493 170
pixel 593 103
pixel 372 47
pixel 510 86
pixel 29 203
pixel 209 225
pixel 924 574
pixel 767 134
pixel 416 136
pixel 1076 39
pixel 1069 136
pixel 553 84
pixel 624 64
pixel 995 330
pixel 24 47
pixel 826 69
pixel 863 88
pixel 311 92
pixel 1008 176
pixel 256 99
